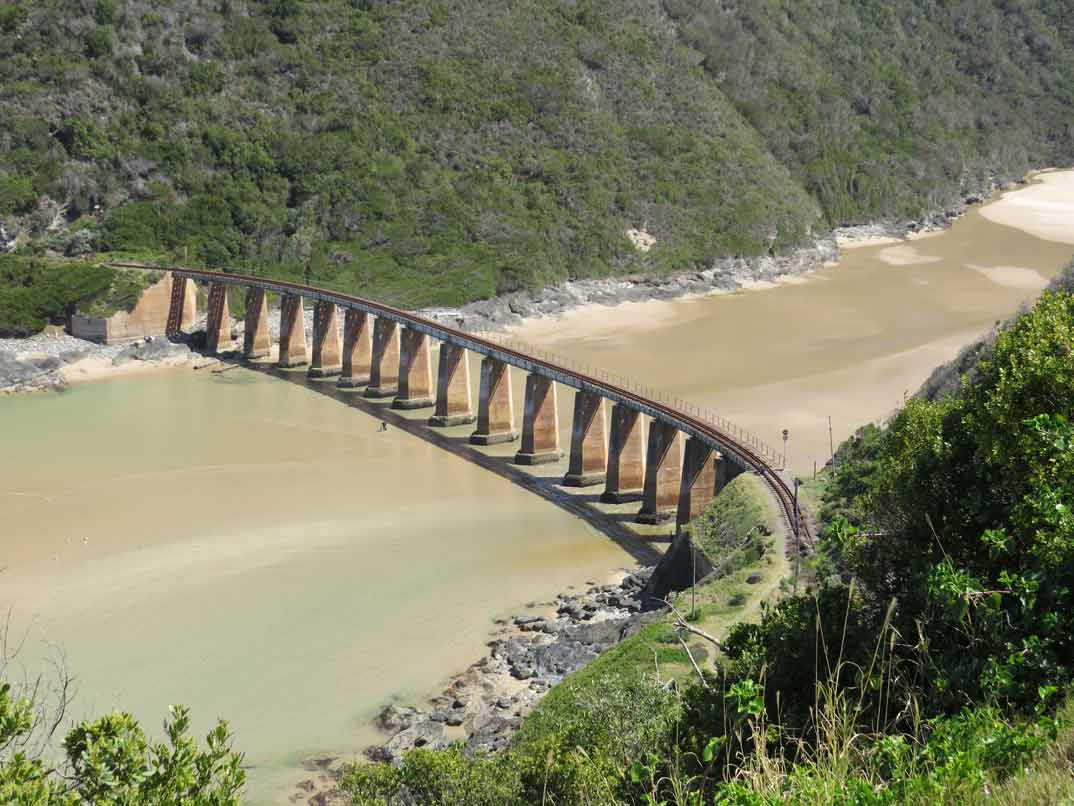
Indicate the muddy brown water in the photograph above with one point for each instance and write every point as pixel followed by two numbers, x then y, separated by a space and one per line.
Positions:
pixel 243 544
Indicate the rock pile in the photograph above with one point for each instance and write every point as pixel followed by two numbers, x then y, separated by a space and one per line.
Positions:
pixel 484 706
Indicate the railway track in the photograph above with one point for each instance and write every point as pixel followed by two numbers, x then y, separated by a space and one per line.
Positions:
pixel 751 452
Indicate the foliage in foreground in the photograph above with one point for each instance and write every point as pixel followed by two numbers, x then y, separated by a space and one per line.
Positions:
pixel 110 762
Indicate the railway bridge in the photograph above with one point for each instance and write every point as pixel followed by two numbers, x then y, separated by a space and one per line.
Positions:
pixel 668 454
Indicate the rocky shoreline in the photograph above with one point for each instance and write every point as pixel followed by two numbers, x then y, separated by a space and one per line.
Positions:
pixel 725 275
pixel 52 361
pixel 527 656
pixel 484 706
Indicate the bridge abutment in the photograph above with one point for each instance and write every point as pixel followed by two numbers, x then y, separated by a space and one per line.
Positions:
pixel 357 350
pixel 540 423
pixel 700 481
pixel 453 402
pixel 589 452
pixel 495 406
pixel 218 324
pixel 626 457
pixel 663 471
pixel 292 332
pixel 384 365
pixel 415 372
pixel 256 342
pixel 327 360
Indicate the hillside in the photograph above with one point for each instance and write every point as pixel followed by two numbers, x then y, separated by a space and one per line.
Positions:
pixel 442 152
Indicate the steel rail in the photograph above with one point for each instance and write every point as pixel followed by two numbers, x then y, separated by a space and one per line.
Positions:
pixel 748 452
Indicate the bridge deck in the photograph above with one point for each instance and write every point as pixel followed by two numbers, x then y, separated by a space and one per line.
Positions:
pixel 744 449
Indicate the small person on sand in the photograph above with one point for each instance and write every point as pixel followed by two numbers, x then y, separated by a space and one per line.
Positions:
pixel 383 425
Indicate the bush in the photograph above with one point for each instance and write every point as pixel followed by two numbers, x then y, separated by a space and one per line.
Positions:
pixel 113 762
pixel 16 195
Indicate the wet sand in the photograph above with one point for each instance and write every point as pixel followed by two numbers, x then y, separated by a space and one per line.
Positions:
pixel 1045 210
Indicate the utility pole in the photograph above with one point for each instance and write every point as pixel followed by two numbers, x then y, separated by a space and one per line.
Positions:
pixel 831 441
pixel 693 583
pixel 797 528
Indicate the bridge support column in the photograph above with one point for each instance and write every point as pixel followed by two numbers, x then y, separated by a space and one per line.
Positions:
pixel 726 472
pixel 218 324
pixel 453 404
pixel 700 481
pixel 183 310
pixel 384 365
pixel 663 470
pixel 540 423
pixel 357 350
pixel 626 460
pixel 415 372
pixel 496 406
pixel 256 342
pixel 292 332
pixel 589 453
pixel 326 350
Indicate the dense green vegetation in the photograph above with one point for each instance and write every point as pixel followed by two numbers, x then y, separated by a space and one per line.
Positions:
pixel 441 152
pixel 109 762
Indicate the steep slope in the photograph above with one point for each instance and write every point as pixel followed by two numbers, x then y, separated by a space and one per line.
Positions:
pixel 437 152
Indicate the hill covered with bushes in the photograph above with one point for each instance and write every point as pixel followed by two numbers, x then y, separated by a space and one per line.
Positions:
pixel 438 152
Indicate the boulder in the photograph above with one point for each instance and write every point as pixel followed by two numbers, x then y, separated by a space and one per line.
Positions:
pixel 393 718
pixel 425 733
pixel 14 372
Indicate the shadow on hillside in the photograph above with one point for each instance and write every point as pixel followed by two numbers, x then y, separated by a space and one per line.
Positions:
pixel 642 547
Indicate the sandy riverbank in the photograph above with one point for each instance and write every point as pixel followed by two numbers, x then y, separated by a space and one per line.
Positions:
pixel 1045 209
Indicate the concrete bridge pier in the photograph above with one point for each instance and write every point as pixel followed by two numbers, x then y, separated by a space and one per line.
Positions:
pixel 327 359
pixel 415 372
pixel 218 325
pixel 540 423
pixel 495 406
pixel 183 307
pixel 453 402
pixel 589 452
pixel 700 481
pixel 626 459
pixel 384 364
pixel 292 332
pixel 663 472
pixel 357 350
pixel 256 342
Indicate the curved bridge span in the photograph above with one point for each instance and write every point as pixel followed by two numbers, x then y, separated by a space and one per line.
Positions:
pixel 386 351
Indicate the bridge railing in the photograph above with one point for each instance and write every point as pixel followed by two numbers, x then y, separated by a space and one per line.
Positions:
pixel 684 407
pixel 680 405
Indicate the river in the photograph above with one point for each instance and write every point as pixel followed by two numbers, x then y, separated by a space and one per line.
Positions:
pixel 264 553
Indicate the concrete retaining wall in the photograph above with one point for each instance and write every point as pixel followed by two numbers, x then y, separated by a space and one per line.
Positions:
pixel 149 317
